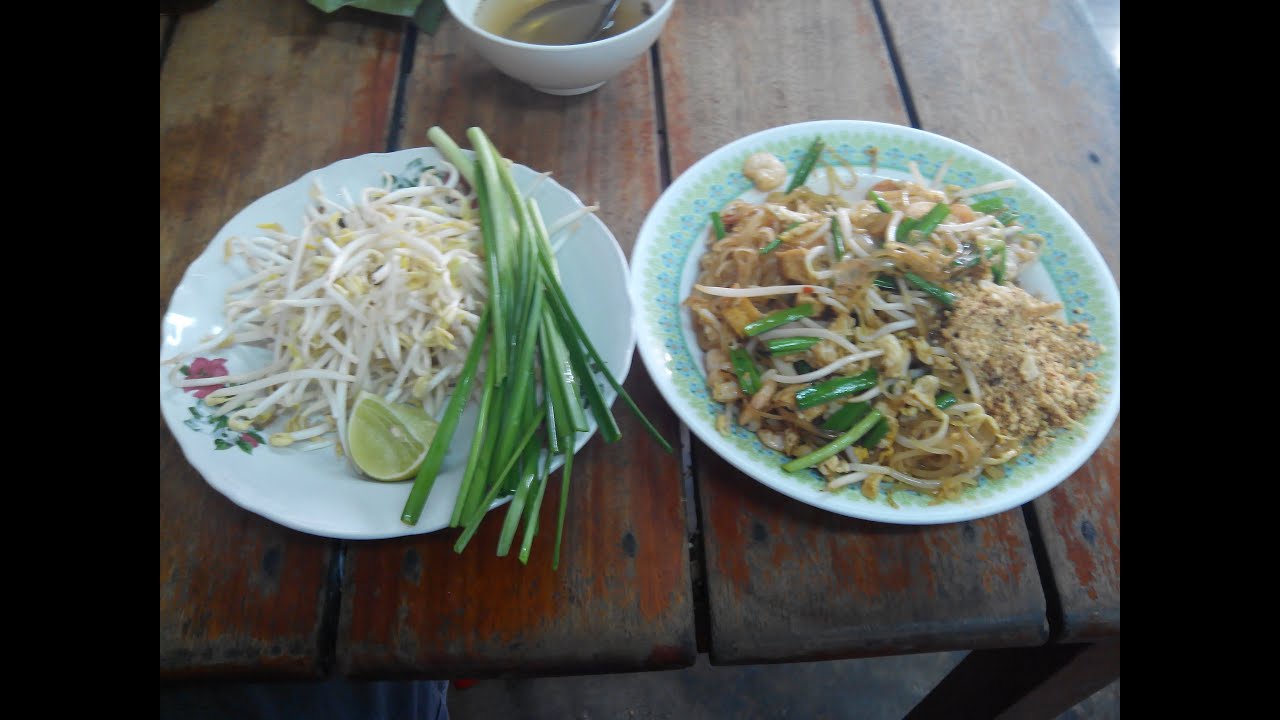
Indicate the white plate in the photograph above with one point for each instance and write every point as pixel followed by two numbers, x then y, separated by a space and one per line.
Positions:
pixel 664 266
pixel 315 491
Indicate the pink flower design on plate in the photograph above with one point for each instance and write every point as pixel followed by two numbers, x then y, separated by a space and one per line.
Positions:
pixel 206 368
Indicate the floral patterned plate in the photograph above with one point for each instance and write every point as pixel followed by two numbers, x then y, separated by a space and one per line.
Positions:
pixel 664 266
pixel 316 491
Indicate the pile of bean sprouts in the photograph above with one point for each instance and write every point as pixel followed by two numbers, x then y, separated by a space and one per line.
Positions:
pixel 380 293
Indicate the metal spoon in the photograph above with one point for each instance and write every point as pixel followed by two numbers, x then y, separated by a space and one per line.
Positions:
pixel 564 22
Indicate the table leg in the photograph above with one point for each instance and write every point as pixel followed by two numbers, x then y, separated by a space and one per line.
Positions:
pixel 1022 683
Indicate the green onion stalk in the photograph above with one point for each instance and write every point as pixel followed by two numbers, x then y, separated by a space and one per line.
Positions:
pixel 541 371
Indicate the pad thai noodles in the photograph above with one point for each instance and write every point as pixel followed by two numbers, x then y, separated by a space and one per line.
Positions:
pixel 881 341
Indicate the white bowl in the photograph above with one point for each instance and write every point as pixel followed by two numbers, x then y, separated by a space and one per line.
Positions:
pixel 561 69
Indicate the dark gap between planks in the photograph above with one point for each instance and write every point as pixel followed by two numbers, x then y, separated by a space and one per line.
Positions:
pixel 1052 598
pixel 898 74
pixel 395 124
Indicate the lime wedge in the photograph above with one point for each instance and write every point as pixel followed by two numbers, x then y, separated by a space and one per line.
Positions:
pixel 388 441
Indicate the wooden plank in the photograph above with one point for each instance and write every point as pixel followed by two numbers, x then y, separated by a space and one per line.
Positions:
pixel 733 68
pixel 1092 669
pixel 789 582
pixel 1054 107
pixel 1037 683
pixel 252 95
pixel 785 581
pixel 621 598
pixel 239 595
pixel 1079 524
pixel 1055 116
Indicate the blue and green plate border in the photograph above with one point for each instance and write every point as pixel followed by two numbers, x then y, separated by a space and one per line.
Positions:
pixel 663 264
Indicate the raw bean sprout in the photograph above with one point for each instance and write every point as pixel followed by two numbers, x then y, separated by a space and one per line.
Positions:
pixel 382 294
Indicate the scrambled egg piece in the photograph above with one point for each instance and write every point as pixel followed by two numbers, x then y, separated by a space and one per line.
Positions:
pixel 739 313
pixel 895 359
pixel 791 265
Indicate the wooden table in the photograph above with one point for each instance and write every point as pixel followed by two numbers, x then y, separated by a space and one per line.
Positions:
pixel 666 557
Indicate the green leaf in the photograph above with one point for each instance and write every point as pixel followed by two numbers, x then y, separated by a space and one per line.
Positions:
pixel 403 8
pixel 1008 218
pixel 429 15
pixel 411 175
pixel 246 447
pixel 185 369
pixel 194 413
pixel 220 444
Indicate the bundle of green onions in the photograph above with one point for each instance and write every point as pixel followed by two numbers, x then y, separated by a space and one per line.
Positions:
pixel 530 334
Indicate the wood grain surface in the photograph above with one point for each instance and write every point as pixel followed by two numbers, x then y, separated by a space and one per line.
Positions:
pixel 789 582
pixel 785 581
pixel 1054 115
pixel 252 96
pixel 731 68
pixel 1040 95
pixel 621 598
pixel 1079 523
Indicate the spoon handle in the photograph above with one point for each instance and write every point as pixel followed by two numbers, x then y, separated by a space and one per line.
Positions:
pixel 606 21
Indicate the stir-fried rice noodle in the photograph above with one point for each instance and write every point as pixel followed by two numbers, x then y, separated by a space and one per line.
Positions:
pixel 859 326
pixel 379 292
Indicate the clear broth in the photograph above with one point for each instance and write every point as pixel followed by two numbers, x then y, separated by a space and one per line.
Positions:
pixel 498 17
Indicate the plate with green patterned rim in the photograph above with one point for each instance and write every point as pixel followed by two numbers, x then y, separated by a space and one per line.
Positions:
pixel 318 491
pixel 664 266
